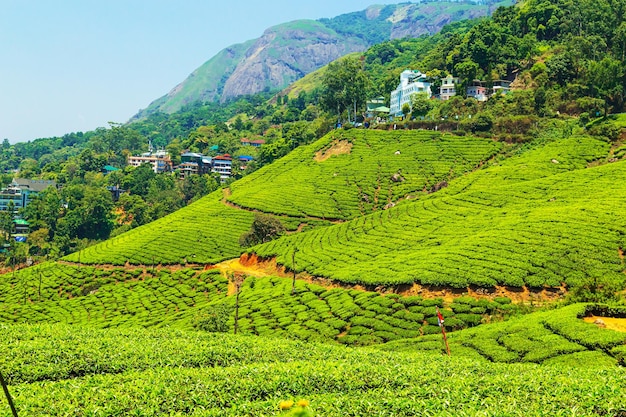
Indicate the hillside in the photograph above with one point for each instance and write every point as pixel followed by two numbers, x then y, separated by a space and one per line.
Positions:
pixel 56 370
pixel 337 187
pixel 287 52
pixel 532 220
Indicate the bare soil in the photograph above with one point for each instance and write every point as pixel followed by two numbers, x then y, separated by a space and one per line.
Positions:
pixel 340 147
pixel 610 322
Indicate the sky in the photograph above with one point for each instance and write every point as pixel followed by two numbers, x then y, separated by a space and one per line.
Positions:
pixel 75 65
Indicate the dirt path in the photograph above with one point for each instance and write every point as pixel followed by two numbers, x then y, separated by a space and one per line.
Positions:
pixel 251 265
pixel 610 322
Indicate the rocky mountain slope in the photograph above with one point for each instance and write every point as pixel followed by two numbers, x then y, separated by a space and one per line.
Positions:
pixel 287 52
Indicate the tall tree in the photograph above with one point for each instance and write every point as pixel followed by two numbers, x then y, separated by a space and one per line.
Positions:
pixel 345 86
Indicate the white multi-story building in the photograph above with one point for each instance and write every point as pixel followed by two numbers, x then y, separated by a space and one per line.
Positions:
pixel 223 165
pixel 448 87
pixel 159 160
pixel 411 82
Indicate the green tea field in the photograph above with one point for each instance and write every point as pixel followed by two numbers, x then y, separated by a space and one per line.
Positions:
pixel 54 370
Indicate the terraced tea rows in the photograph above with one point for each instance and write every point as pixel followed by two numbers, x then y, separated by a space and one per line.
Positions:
pixel 60 371
pixel 350 173
pixel 556 337
pixel 351 317
pixel 556 229
pixel 143 297
pixel 56 292
pixel 205 232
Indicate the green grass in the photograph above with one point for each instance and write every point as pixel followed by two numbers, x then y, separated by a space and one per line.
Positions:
pixel 528 221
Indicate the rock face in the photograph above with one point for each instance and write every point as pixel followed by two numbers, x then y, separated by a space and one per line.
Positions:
pixel 286 53
pixel 289 51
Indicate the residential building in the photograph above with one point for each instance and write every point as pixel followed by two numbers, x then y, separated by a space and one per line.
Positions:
pixel 21 191
pixel 501 87
pixel 448 87
pixel 411 82
pixel 223 165
pixel 244 161
pixel 159 160
pixel 257 143
pixel 376 107
pixel 194 164
pixel 478 90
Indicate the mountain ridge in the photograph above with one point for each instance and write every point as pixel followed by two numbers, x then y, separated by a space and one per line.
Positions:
pixel 289 51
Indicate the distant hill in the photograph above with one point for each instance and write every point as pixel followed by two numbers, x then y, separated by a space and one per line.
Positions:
pixel 287 52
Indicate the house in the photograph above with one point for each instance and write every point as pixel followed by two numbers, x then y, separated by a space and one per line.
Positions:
pixel 115 191
pixel 160 161
pixel 376 107
pixel 411 82
pixel 257 143
pixel 21 226
pixel 501 87
pixel 223 165
pixel 478 90
pixel 194 164
pixel 448 87
pixel 245 159
pixel 109 169
pixel 21 191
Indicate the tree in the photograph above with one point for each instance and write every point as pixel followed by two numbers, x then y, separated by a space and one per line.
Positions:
pixel 6 225
pixel 345 86
pixel 607 79
pixel 406 109
pixel 421 104
pixel 264 228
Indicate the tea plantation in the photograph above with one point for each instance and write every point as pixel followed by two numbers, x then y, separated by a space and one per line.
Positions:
pixel 557 337
pixel 142 324
pixel 350 173
pixel 533 220
pixel 55 370
pixel 118 297
pixel 207 231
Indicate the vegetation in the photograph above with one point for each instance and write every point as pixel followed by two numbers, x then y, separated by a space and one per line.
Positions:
pixel 55 370
pixel 521 196
pixel 556 337
pixel 350 173
pixel 477 231
pixel 191 298
pixel 205 232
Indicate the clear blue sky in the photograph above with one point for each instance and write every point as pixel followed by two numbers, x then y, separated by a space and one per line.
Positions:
pixel 74 65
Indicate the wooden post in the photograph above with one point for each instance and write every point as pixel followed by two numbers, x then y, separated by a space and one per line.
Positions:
pixel 6 393
pixel 443 331
pixel 39 283
pixel 293 266
pixel 238 280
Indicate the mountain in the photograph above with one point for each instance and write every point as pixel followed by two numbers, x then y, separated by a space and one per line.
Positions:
pixel 287 52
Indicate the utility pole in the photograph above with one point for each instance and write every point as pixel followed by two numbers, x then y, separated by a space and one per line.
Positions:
pixel 443 330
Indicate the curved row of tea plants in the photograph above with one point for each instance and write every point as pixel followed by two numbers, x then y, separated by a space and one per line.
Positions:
pixel 562 228
pixel 557 337
pixel 312 312
pixel 204 232
pixel 135 372
pixel 55 292
pixel 117 297
pixel 375 168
